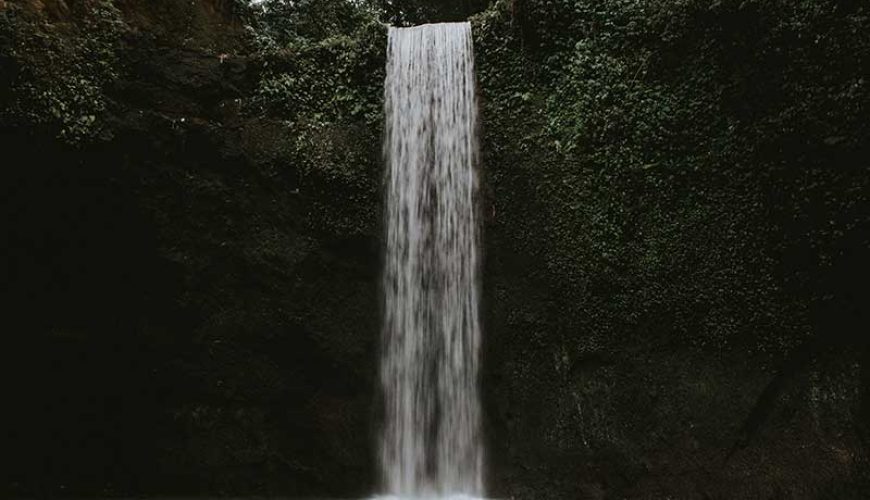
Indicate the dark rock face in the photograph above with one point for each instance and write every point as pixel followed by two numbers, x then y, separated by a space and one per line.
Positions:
pixel 671 313
pixel 676 251
pixel 187 319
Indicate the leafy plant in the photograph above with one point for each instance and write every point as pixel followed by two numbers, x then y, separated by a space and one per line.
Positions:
pixel 64 68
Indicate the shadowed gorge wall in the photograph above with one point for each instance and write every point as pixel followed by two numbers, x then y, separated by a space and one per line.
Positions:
pixel 676 257
pixel 194 264
pixel 676 245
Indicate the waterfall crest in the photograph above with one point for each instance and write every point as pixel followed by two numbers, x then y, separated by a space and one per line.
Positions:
pixel 431 441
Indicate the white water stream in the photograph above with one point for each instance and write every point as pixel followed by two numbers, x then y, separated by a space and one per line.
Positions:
pixel 431 442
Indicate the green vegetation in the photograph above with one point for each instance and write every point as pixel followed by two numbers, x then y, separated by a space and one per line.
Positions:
pixel 677 145
pixel 682 177
pixel 62 68
pixel 676 226
pixel 321 79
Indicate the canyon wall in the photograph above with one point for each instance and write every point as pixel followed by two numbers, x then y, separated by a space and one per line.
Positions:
pixel 676 253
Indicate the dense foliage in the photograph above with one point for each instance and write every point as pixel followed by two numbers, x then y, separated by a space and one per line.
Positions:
pixel 60 72
pixel 708 144
pixel 698 177
pixel 676 229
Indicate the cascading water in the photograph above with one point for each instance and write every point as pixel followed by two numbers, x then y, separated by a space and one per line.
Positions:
pixel 431 441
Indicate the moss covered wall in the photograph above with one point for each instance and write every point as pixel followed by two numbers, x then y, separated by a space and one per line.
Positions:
pixel 676 226
pixel 676 247
pixel 193 266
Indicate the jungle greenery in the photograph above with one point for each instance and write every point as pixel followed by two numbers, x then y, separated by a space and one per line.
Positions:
pixel 675 204
pixel 64 70
pixel 728 130
pixel 715 145
pixel 693 167
pixel 698 177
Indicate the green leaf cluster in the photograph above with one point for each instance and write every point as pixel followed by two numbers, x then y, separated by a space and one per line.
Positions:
pixel 687 161
pixel 62 68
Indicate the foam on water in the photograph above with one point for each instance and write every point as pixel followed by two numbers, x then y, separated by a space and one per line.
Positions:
pixel 434 497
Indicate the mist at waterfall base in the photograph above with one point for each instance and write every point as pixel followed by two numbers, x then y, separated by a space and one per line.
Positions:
pixel 430 441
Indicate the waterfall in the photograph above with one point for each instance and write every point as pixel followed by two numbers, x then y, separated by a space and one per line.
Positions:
pixel 431 441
